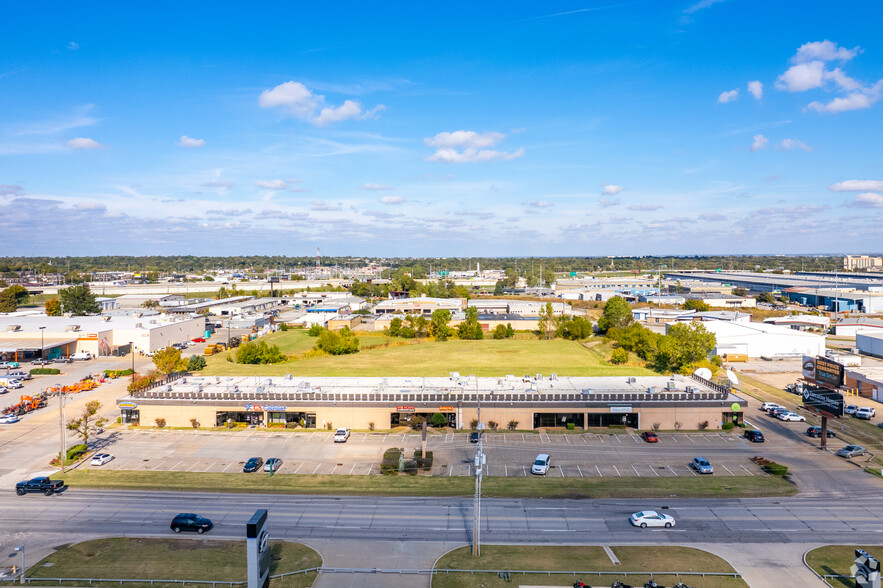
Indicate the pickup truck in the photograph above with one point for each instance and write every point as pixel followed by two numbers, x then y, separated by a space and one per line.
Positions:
pixel 341 435
pixel 44 485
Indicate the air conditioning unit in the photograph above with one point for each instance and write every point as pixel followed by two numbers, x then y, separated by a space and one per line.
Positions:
pixel 631 380
pixel 671 385
pixel 553 377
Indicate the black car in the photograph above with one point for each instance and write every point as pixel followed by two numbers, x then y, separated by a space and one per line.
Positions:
pixel 754 436
pixel 191 522
pixel 817 432
pixel 253 465
pixel 474 436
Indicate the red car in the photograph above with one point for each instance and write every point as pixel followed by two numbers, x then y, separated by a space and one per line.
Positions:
pixel 199 340
pixel 649 437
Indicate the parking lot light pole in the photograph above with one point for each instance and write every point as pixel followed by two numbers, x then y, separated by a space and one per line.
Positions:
pixel 61 456
pixel 21 548
pixel 132 350
pixel 42 353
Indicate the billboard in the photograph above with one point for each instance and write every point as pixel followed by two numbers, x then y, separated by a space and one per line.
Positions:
pixel 823 400
pixel 809 367
pixel 829 372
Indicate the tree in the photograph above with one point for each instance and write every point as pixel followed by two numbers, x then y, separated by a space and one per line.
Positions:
pixel 620 356
pixel 19 293
pixel 696 305
pixel 395 325
pixel 438 325
pixel 79 301
pixel 53 307
pixel 338 342
pixel 510 332
pixel 500 332
pixel 470 328
pixel 739 292
pixel 7 301
pixel 85 426
pixel 168 360
pixel 438 419
pixel 150 304
pixel 498 288
pixel 546 322
pixel 766 297
pixel 195 363
pixel 258 352
pixel 684 345
pixel 573 327
pixel 511 277
pixel 617 314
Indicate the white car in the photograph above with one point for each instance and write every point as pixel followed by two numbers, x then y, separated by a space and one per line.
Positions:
pixel 99 459
pixel 865 413
pixel 651 518
pixel 791 416
pixel 341 435
pixel 851 409
pixel 8 419
pixel 766 406
pixel 541 464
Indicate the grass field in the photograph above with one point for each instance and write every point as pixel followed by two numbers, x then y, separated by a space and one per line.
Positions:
pixel 582 558
pixel 403 485
pixel 837 559
pixel 488 357
pixel 173 558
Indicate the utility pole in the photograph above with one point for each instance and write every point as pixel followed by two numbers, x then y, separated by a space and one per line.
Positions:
pixel 62 455
pixel 479 469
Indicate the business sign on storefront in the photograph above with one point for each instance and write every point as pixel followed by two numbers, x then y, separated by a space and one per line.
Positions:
pixel 263 407
pixel 620 409
pixel 445 408
pixel 127 405
pixel 405 409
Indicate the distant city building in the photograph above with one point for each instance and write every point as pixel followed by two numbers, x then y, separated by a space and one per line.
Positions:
pixel 854 262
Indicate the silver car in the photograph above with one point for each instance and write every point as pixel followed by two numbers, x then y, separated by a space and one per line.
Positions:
pixel 702 465
pixel 851 451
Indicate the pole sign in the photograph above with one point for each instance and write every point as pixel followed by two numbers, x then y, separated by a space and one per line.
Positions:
pixel 828 402
pixel 257 548
pixel 829 372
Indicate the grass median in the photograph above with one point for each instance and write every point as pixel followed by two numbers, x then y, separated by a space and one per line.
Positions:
pixel 836 560
pixel 168 559
pixel 583 558
pixel 402 485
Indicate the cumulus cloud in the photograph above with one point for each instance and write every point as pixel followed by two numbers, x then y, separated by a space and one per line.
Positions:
pixel 712 217
pixel 372 186
pixel 857 186
pixel 468 147
pixel 83 143
pixel 867 200
pixel 728 96
pixel 610 189
pixel 271 184
pixel 190 142
pixel 218 185
pixel 11 190
pixel 644 207
pixel 702 4
pixel 864 98
pixel 759 143
pixel 608 203
pixel 472 155
pixel 756 89
pixel 300 102
pixel 802 77
pixel 824 51
pixel 322 206
pixel 539 204
pixel 392 200
pixel 789 144
pixel 73 46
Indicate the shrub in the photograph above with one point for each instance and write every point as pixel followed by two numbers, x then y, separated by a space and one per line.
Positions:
pixel 371 426
pixel 619 356
pixel 195 363
pixel 340 342
pixel 473 424
pixel 194 423
pixel 329 426
pixel 678 425
pixel 656 426
pixel 390 464
pixel 45 371
pixel 493 425
pixel 438 419
pixel 284 327
pixel 571 426
pixel 703 425
pixel 728 426
pixel 423 463
pixel 771 467
pixel 315 331
pixel 512 425
pixel 617 427
pixel 160 422
pixel 258 352
pixel 76 451
pixel 410 467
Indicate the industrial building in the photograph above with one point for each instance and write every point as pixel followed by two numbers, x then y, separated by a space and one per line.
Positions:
pixel 768 282
pixel 421 305
pixel 721 300
pixel 632 285
pixel 763 340
pixel 517 307
pixel 138 300
pixel 801 322
pixel 853 325
pixel 870 343
pixel 868 382
pixel 532 402
pixel 836 299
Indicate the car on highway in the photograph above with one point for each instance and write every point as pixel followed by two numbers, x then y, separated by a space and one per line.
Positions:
pixel 650 437
pixel 851 451
pixel 191 522
pixel 99 459
pixel 41 362
pixel 766 406
pixel 8 419
pixel 541 464
pixel 865 413
pixel 341 435
pixel 817 432
pixel 851 409
pixel 474 436
pixel 253 465
pixel 19 375
pixel 702 465
pixel 791 417
pixel 273 464
pixel 754 436
pixel 651 518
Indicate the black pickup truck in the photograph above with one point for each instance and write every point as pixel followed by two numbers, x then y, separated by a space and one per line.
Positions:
pixel 44 485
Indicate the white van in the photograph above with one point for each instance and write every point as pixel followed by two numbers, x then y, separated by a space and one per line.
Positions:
pixel 10 383
pixel 81 356
pixel 541 464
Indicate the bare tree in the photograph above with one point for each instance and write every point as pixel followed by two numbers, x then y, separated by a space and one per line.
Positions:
pixel 87 424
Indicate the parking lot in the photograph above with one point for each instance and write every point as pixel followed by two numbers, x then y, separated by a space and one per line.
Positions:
pixel 587 455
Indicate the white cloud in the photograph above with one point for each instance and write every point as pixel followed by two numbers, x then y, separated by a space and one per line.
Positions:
pixel 467 147
pixel 824 51
pixel 756 89
pixel 610 189
pixel 392 200
pixel 864 98
pixel 728 96
pixel 802 77
pixel 83 143
pixel 11 190
pixel 789 144
pixel 372 186
pixel 539 204
pixel 190 142
pixel 644 207
pixel 700 5
pixel 845 82
pixel 608 203
pixel 271 184
pixel 857 186
pixel 301 103
pixel 73 46
pixel 759 143
pixel 322 206
pixel 867 200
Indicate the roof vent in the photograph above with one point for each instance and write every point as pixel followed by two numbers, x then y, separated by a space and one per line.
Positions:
pixel 631 380
pixel 104 318
pixel 72 328
pixel 13 328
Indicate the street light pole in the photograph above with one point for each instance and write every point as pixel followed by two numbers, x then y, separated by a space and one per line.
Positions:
pixel 132 350
pixel 21 548
pixel 62 456
pixel 479 470
pixel 42 354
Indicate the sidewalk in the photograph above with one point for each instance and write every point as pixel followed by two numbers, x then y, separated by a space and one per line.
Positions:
pixel 767 565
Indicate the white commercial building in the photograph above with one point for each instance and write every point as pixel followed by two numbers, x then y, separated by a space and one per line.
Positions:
pixel 870 343
pixel 763 340
pixel 519 307
pixel 852 326
pixel 420 305
pixel 801 322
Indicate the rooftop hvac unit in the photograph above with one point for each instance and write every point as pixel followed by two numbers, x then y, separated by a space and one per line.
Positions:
pixel 692 389
pixel 671 385
pixel 539 376
pixel 13 328
pixel 510 377
pixel 651 390
pixel 631 380
pixel 104 318
pixel 587 391
pixel 287 376
pixel 553 377
pixel 454 376
pixel 72 328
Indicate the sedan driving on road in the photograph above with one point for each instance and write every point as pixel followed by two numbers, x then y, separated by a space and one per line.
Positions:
pixel 191 522
pixel 851 451
pixel 791 417
pixel 253 465
pixel 702 465
pixel 651 518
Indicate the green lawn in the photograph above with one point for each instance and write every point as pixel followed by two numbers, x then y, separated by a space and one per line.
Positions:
pixel 488 357
pixel 173 558
pixel 582 558
pixel 403 485
pixel 837 559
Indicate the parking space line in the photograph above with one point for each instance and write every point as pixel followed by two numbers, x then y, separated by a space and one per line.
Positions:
pixel 371 467
pixel 364 438
pixel 636 438
pixel 691 438
pixel 580 471
pixel 524 470
pixel 317 468
pixel 584 440
pixel 746 469
pixel 691 470
pixel 208 466
pixel 602 439
pixel 636 471
pixel 506 470
pixel 673 471
pixel 618 439
pixel 353 469
pixel 159 465
pixel 675 437
pixel 560 469
pixel 728 469
pixel 652 469
pixel 176 465
pixel 298 468
pixel 567 438
pixel 600 475
pixel 617 471
pixel 332 469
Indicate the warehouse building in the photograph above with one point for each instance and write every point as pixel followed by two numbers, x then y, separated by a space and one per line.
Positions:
pixel 763 340
pixel 421 305
pixel 360 403
pixel 530 308
pixel 801 322
pixel 870 343
pixel 853 325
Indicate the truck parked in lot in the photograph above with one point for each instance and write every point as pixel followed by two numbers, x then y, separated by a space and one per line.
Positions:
pixel 42 484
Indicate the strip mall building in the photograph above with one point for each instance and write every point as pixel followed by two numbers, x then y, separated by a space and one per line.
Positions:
pixel 359 403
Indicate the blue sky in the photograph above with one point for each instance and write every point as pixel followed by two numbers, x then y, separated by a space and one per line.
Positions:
pixel 410 129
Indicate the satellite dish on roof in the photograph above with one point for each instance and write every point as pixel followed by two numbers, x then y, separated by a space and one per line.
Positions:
pixel 704 373
pixel 732 378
